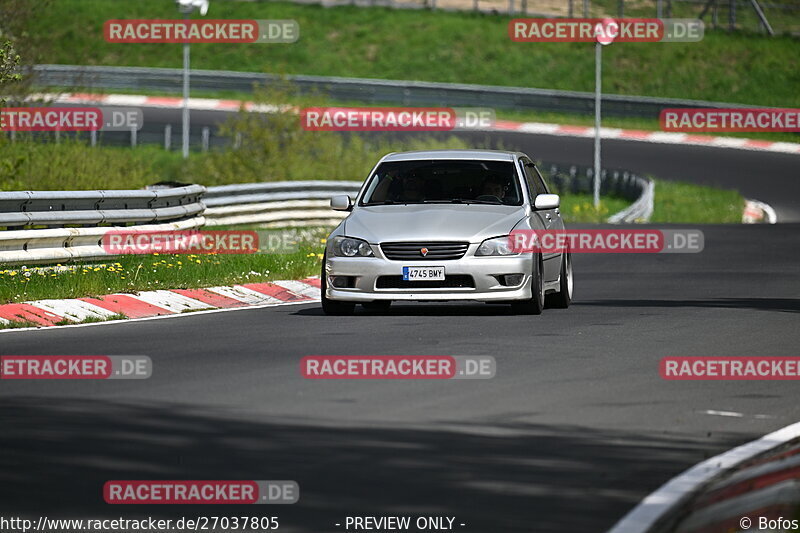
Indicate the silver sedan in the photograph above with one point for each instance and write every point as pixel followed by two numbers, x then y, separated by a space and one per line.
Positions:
pixel 435 225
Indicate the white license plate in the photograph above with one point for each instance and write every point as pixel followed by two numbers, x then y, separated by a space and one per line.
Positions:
pixel 423 273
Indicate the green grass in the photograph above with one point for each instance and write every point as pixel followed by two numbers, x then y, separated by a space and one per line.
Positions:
pixel 580 207
pixel 153 272
pixel 19 324
pixel 92 320
pixel 677 202
pixel 75 165
pixel 441 46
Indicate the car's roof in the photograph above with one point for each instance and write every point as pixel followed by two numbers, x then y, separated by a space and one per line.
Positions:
pixel 482 155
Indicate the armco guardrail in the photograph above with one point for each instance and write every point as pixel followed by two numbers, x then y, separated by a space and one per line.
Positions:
pixel 23 213
pixel 622 183
pixel 58 208
pixel 64 245
pixel 414 93
pixel 283 203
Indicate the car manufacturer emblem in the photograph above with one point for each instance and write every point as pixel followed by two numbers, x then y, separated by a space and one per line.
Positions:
pixel 423 251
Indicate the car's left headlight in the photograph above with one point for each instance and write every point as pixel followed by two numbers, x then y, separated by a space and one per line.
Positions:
pixel 495 246
pixel 350 247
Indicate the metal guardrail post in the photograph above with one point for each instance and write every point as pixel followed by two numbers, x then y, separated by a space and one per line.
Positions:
pixel 171 209
pixel 167 137
pixel 205 138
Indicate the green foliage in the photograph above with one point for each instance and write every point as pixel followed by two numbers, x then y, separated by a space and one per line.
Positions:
pixel 274 146
pixel 9 60
pixel 458 47
pixel 677 202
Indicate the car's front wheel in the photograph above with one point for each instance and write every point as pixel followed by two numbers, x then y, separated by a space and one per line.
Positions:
pixel 332 307
pixel 535 304
pixel 563 297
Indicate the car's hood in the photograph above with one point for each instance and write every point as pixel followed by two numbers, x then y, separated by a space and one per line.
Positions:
pixel 436 222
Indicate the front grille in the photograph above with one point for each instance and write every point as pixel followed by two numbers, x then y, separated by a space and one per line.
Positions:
pixel 456 281
pixel 437 251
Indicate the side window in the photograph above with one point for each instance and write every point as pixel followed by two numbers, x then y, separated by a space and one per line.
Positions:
pixel 538 182
pixel 542 181
pixel 534 180
pixel 529 179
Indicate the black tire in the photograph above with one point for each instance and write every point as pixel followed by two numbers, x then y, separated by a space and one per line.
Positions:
pixel 377 306
pixel 332 307
pixel 535 305
pixel 562 298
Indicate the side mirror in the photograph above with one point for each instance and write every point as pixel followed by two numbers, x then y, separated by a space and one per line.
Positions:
pixel 547 201
pixel 341 202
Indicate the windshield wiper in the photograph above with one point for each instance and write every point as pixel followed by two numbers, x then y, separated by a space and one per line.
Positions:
pixel 451 201
pixel 385 202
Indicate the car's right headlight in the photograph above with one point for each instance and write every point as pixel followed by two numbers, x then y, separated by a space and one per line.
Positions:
pixel 350 247
pixel 497 246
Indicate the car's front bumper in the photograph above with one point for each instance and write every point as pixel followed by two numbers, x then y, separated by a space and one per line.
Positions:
pixel 365 271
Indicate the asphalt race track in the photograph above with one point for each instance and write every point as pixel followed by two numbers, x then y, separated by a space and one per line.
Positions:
pixel 574 430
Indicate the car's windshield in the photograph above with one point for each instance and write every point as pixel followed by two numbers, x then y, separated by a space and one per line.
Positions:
pixel 444 181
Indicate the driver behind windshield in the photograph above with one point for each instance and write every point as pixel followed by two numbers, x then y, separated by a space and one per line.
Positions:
pixel 408 188
pixel 494 188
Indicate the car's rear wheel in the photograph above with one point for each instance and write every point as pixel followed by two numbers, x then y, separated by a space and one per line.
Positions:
pixel 332 307
pixel 377 306
pixel 563 297
pixel 535 304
